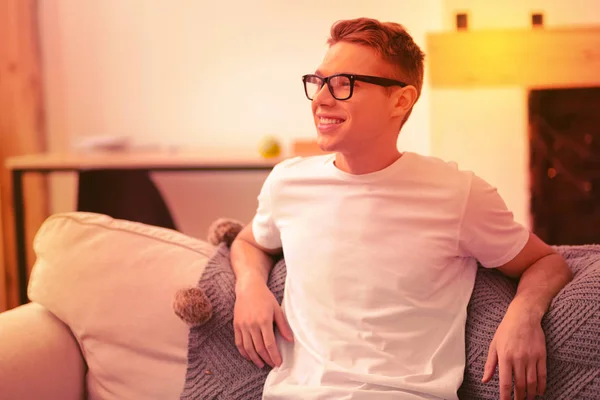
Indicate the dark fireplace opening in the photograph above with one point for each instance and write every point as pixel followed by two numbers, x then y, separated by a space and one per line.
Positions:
pixel 564 151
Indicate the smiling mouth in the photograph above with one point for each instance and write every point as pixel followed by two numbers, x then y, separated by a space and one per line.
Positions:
pixel 330 121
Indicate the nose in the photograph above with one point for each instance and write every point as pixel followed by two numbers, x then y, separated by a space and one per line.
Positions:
pixel 323 96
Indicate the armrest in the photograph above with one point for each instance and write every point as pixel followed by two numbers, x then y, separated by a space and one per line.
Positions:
pixel 39 357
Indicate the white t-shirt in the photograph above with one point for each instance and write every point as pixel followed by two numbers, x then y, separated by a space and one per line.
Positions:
pixel 380 269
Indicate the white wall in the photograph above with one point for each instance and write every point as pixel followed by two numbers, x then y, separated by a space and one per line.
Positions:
pixel 486 130
pixel 200 74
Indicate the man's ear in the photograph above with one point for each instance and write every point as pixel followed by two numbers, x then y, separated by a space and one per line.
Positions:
pixel 403 100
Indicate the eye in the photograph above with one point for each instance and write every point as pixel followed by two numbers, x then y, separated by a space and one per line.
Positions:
pixel 340 81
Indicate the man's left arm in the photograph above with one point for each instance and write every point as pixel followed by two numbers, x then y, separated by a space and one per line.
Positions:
pixel 519 346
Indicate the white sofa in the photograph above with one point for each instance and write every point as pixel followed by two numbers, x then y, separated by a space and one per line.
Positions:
pixel 100 324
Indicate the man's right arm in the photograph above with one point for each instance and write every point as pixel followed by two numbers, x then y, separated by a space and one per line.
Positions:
pixel 256 308
pixel 251 261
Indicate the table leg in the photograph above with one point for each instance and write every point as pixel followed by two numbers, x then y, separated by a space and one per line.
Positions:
pixel 18 201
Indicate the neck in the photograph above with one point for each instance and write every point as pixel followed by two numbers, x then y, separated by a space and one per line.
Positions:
pixel 366 162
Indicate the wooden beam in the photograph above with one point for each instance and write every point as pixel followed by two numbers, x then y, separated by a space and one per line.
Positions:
pixel 22 128
pixel 533 58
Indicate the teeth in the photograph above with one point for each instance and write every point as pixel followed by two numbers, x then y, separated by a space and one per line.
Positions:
pixel 330 120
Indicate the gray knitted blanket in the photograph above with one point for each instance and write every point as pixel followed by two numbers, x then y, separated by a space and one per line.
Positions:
pixel 572 328
pixel 216 370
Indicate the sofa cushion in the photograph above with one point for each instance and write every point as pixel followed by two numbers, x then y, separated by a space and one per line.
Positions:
pixel 39 357
pixel 112 282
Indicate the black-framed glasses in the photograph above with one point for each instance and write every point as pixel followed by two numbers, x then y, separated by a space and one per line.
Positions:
pixel 341 86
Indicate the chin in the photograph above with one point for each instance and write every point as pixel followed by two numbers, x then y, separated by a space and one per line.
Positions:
pixel 329 144
pixel 326 143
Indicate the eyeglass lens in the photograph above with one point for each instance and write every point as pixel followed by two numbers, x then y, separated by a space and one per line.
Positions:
pixel 340 85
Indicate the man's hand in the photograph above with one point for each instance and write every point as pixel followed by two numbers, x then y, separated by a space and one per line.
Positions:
pixel 519 345
pixel 519 351
pixel 256 308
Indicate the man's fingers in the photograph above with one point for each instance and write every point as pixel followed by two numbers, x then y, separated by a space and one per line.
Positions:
pixel 282 324
pixel 490 364
pixel 505 376
pixel 532 378
pixel 541 376
pixel 239 343
pixel 520 380
pixel 271 346
pixel 259 345
pixel 249 346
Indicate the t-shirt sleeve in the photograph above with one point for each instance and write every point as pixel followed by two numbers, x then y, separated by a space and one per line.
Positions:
pixel 264 228
pixel 489 232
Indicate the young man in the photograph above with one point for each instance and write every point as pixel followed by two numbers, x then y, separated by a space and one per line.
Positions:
pixel 381 248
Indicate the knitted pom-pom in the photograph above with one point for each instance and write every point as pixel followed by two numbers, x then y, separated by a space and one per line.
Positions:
pixel 192 306
pixel 224 230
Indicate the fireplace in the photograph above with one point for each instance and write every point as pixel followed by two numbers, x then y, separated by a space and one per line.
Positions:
pixel 541 134
pixel 564 161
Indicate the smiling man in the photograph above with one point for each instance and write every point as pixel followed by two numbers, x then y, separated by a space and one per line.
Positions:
pixel 381 248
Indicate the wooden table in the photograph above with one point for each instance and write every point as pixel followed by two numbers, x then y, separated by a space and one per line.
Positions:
pixel 97 170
